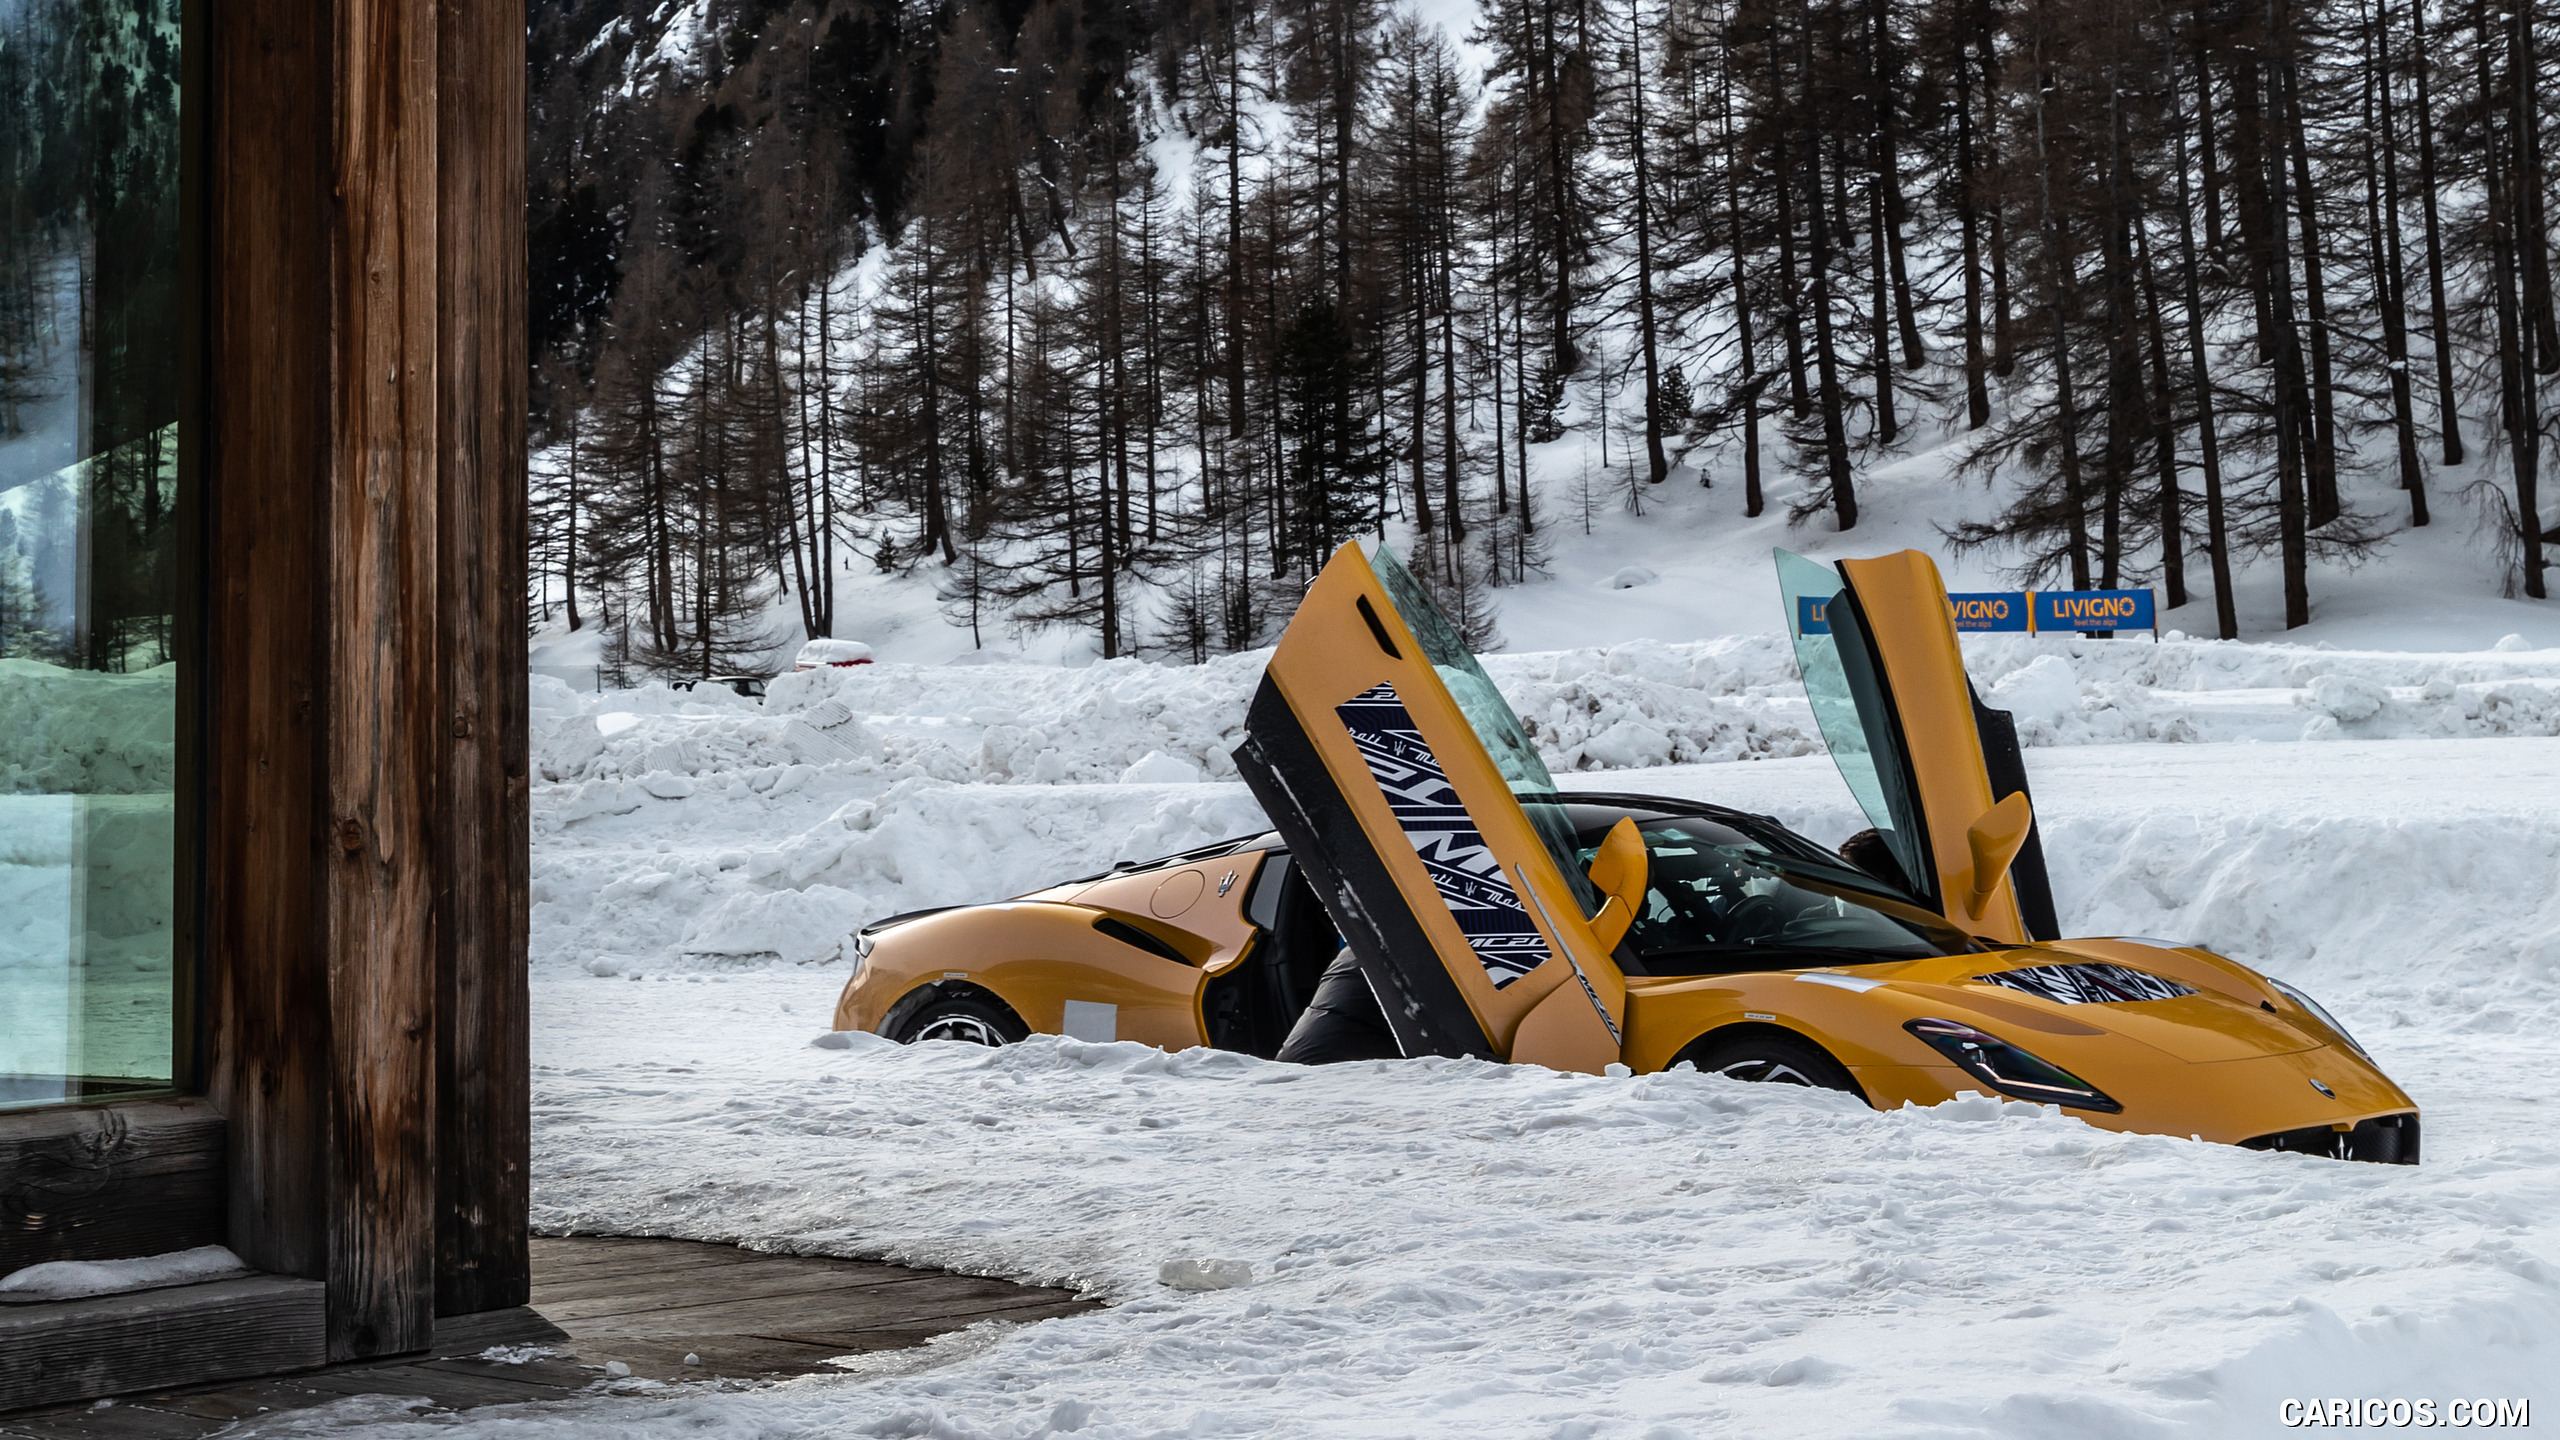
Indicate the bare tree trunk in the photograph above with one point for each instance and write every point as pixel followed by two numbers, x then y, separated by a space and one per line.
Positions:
pixel 2058 255
pixel 1657 465
pixel 2325 504
pixel 1977 362
pixel 2209 171
pixel 1889 175
pixel 2510 211
pixel 2382 214
pixel 2004 335
pixel 1835 437
pixel 1237 422
pixel 1752 500
pixel 2448 415
pixel 1798 398
pixel 2209 455
pixel 2164 433
pixel 2293 535
pixel 1879 340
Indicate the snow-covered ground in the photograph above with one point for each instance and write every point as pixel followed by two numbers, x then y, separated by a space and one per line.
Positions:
pixel 1451 1248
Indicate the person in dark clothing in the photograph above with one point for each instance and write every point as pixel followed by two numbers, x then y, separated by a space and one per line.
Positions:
pixel 1343 1021
pixel 1868 852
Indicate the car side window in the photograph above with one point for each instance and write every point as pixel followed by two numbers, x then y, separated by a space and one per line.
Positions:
pixel 1264 908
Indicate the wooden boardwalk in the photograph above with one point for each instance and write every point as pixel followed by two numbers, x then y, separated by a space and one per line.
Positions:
pixel 650 1305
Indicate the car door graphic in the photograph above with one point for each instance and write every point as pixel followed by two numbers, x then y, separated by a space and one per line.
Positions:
pixel 1937 772
pixel 1420 812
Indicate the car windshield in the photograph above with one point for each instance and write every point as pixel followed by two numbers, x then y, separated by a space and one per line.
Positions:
pixel 1719 900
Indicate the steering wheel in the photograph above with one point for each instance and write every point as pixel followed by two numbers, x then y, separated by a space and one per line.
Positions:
pixel 1755 917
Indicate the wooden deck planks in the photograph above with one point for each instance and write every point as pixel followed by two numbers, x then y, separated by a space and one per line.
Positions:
pixel 647 1304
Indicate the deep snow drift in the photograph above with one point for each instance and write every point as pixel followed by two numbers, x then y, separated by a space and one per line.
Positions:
pixel 682 826
pixel 1447 1248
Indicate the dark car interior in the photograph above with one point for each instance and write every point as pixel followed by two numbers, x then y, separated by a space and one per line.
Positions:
pixel 1252 1006
pixel 1729 893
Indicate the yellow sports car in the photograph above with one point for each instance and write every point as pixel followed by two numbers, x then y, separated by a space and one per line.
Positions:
pixel 1425 891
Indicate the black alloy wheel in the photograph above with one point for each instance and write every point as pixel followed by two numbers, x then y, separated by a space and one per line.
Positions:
pixel 1768 1058
pixel 964 1021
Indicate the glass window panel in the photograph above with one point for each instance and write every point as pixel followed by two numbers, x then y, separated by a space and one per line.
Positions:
pixel 89 545
pixel 1500 731
pixel 1844 686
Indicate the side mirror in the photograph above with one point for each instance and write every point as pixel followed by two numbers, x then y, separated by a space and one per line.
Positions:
pixel 1619 872
pixel 1995 840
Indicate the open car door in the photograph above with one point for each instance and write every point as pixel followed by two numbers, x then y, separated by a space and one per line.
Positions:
pixel 1420 813
pixel 1937 771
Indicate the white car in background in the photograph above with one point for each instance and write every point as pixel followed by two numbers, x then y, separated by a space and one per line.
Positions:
pixel 818 654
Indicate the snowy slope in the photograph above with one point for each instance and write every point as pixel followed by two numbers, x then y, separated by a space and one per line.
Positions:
pixel 2428 590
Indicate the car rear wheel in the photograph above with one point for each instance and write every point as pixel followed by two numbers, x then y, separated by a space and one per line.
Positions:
pixel 964 1020
pixel 1772 1059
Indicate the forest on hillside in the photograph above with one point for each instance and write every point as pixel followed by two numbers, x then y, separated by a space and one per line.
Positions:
pixel 1120 314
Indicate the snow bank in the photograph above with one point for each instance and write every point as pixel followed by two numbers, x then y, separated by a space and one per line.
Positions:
pixel 1634 705
pixel 85 732
pixel 787 869
pixel 2419 878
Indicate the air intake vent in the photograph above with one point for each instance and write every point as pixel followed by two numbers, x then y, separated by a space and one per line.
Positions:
pixel 1128 934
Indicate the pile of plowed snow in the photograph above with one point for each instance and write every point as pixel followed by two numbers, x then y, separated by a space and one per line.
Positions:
pixel 2425 874
pixel 83 732
pixel 701 828
pixel 1644 703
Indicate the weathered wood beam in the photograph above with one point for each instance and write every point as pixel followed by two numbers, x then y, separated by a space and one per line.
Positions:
pixel 386 689
pixel 265 670
pixel 483 1137
pixel 365 849
pixel 104 1181
pixel 73 1349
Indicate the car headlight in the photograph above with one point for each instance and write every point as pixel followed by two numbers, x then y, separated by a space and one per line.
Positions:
pixel 2011 1071
pixel 2315 1007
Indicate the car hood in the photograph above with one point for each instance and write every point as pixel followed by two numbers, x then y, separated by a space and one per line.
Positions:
pixel 2218 1019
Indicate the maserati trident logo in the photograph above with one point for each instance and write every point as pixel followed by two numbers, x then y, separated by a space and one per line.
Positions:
pixel 1228 883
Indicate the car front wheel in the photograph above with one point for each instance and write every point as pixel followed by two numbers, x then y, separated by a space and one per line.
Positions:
pixel 1772 1059
pixel 963 1020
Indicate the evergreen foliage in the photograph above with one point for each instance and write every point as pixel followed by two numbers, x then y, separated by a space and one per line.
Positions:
pixel 1120 317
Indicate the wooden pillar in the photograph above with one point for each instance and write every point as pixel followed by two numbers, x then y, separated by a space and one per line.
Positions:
pixel 365 835
pixel 483 1135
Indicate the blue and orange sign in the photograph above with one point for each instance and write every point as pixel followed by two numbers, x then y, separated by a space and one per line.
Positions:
pixel 1990 611
pixel 2019 612
pixel 2094 610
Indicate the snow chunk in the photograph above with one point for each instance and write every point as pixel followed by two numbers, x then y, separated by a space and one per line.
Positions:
pixel 1205 1274
pixel 2042 696
pixel 1631 577
pixel 1158 768
pixel 83 1279
pixel 2511 644
pixel 2348 698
